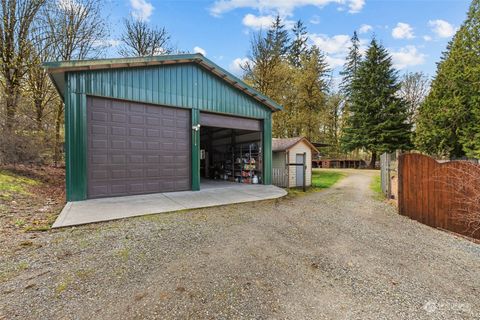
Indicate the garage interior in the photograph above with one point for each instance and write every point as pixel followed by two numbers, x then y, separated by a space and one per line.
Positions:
pixel 233 155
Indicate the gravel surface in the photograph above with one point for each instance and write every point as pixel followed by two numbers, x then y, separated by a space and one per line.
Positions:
pixel 336 254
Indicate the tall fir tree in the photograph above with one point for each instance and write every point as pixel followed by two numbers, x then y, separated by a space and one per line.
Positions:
pixel 351 65
pixel 449 120
pixel 377 121
pixel 299 43
pixel 277 38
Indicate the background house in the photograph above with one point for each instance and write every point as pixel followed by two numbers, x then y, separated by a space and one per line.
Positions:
pixel 287 152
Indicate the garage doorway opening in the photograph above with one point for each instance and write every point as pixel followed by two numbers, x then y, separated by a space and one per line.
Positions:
pixel 230 156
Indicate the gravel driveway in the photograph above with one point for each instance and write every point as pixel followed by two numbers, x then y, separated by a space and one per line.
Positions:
pixel 336 254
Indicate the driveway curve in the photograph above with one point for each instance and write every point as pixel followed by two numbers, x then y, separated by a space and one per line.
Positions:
pixel 335 254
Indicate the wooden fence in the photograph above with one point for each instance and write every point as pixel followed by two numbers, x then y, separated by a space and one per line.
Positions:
pixel 280 177
pixel 442 195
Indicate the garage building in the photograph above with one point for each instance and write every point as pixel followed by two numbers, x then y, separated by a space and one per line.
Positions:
pixel 160 124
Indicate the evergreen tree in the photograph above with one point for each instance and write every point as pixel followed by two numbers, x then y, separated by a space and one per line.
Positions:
pixel 277 38
pixel 377 121
pixel 299 43
pixel 449 120
pixel 351 66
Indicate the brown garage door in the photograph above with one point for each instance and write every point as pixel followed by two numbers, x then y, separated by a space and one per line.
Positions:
pixel 136 148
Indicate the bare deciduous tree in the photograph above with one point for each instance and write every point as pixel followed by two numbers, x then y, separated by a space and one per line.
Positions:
pixel 140 40
pixel 463 182
pixel 16 19
pixel 76 30
pixel 38 87
pixel 414 89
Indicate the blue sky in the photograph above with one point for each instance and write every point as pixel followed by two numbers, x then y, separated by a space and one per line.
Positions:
pixel 414 31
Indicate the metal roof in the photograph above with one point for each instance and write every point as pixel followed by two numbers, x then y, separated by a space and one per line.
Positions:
pixel 57 70
pixel 287 143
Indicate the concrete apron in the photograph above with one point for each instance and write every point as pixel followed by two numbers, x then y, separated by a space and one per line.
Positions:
pixel 96 210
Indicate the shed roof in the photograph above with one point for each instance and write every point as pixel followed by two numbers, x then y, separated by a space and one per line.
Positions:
pixel 58 69
pixel 285 144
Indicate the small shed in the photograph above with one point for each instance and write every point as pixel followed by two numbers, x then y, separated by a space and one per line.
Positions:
pixel 287 155
pixel 160 124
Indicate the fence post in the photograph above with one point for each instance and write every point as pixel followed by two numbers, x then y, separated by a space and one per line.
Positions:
pixel 401 159
pixel 389 177
pixel 304 171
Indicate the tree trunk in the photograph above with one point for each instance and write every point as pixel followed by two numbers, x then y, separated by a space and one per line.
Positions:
pixel 11 105
pixel 58 124
pixel 374 160
pixel 39 114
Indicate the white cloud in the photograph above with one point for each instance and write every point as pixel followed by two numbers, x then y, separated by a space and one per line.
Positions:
pixel 200 50
pixel 282 7
pixel 407 56
pixel 141 9
pixel 334 61
pixel 264 22
pixel 427 38
pixel 258 22
pixel 356 5
pixel 442 28
pixel 315 19
pixel 365 28
pixel 333 45
pixel 236 65
pixel 336 47
pixel 403 31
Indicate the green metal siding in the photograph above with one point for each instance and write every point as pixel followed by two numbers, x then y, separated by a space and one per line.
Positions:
pixel 183 85
pixel 180 85
pixel 267 150
pixel 195 151
pixel 75 140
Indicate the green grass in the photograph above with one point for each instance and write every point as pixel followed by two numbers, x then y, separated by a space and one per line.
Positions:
pixel 376 186
pixel 321 179
pixel 12 184
pixel 325 179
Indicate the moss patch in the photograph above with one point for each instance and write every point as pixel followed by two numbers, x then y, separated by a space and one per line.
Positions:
pixel 31 197
pixel 12 184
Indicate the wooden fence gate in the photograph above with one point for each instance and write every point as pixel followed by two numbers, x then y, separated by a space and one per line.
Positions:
pixel 441 195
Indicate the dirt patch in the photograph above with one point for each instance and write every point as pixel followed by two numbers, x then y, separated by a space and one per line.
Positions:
pixel 30 200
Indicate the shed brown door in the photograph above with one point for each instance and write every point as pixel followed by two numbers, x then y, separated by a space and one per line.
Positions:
pixel 136 148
